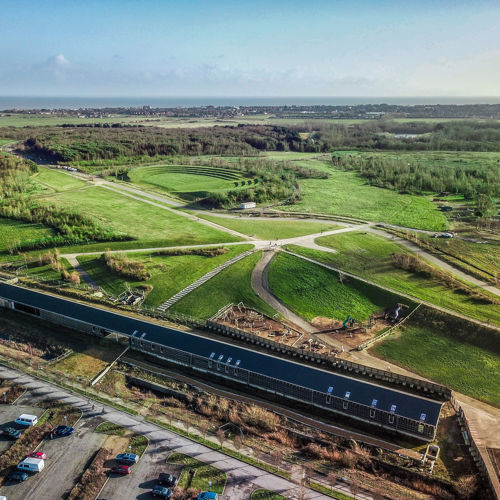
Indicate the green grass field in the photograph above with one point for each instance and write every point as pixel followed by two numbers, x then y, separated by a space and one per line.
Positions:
pixel 56 180
pixel 12 231
pixel 169 274
pixel 149 225
pixel 311 290
pixel 369 256
pixel 270 229
pixel 203 474
pixel 451 361
pixel 231 285
pixel 184 179
pixel 40 120
pixel 346 193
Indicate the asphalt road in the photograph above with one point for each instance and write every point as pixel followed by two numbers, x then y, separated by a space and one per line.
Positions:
pixel 8 413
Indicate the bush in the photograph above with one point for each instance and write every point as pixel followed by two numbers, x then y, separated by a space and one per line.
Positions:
pixel 123 266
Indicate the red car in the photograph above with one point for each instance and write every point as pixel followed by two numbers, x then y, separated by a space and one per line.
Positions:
pixel 121 469
pixel 38 454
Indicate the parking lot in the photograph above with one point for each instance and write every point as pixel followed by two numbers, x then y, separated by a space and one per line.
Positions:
pixel 8 413
pixel 140 482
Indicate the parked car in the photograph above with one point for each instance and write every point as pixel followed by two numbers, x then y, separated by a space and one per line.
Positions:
pixel 167 480
pixel 161 491
pixel 38 454
pixel 11 433
pixel 127 458
pixel 121 469
pixel 26 420
pixel 18 475
pixel 62 431
pixel 208 495
pixel 31 465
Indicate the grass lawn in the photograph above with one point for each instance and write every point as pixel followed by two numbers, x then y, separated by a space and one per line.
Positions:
pixel 346 193
pixel 16 231
pixel 436 354
pixel 39 120
pixel 151 226
pixel 273 228
pixel 203 474
pixel 266 495
pixel 137 443
pixel 369 256
pixel 230 285
pixel 169 274
pixel 316 291
pixel 186 178
pixel 57 180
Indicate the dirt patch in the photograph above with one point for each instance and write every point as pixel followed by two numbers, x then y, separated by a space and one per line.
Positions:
pixel 117 444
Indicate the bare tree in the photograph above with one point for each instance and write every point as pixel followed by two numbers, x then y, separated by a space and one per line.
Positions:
pixel 204 427
pixel 238 443
pixel 355 489
pixel 332 479
pixel 221 436
pixel 276 457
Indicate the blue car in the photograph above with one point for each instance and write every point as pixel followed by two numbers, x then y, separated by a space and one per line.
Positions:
pixel 127 458
pixel 161 491
pixel 208 495
pixel 62 431
pixel 18 475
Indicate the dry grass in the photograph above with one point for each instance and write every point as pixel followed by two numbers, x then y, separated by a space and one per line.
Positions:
pixel 86 365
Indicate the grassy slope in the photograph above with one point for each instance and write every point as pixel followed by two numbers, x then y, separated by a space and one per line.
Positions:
pixel 169 274
pixel 177 181
pixel 231 285
pixel 457 364
pixel 57 180
pixel 369 256
pixel 151 225
pixel 12 230
pixel 316 291
pixel 345 193
pixel 272 229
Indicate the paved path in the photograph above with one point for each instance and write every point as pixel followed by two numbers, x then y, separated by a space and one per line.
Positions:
pixel 239 473
pixel 81 271
pixel 438 262
pixel 261 288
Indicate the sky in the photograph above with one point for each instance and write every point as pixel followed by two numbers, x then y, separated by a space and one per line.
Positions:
pixel 250 48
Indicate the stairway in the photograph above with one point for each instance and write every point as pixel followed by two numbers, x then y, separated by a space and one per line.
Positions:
pixel 178 296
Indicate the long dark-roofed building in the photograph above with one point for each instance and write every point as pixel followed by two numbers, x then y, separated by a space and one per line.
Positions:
pixel 372 403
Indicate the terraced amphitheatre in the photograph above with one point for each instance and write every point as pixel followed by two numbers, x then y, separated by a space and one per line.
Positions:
pixel 190 181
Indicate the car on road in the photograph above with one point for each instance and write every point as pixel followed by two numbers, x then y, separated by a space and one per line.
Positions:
pixel 62 431
pixel 121 469
pixel 11 433
pixel 38 454
pixel 208 495
pixel 18 475
pixel 167 480
pixel 161 491
pixel 127 458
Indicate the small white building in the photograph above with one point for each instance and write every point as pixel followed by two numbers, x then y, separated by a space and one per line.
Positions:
pixel 248 204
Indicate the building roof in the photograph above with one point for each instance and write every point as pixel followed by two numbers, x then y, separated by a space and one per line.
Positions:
pixel 352 389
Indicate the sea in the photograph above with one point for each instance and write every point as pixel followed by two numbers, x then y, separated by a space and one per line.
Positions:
pixel 33 102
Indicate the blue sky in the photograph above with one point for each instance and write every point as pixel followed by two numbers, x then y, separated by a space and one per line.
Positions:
pixel 250 48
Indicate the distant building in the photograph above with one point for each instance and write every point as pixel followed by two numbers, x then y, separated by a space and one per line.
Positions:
pixel 248 204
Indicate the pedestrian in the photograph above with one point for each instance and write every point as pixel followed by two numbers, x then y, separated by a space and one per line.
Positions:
pixel 388 368
pixel 103 410
pixel 93 406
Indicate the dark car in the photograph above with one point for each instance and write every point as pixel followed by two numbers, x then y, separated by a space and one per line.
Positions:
pixel 127 458
pixel 18 475
pixel 62 431
pixel 121 469
pixel 161 491
pixel 167 480
pixel 11 433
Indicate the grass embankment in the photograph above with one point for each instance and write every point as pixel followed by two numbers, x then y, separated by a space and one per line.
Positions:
pixel 203 473
pixel 311 290
pixel 230 285
pixel 458 355
pixel 13 231
pixel 149 225
pixel 266 495
pixel 272 229
pixel 57 181
pixel 346 193
pixel 369 256
pixel 169 273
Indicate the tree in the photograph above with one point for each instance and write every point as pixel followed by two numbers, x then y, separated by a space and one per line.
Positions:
pixel 485 206
pixel 238 443
pixel 332 479
pixel 220 436
pixel 276 457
